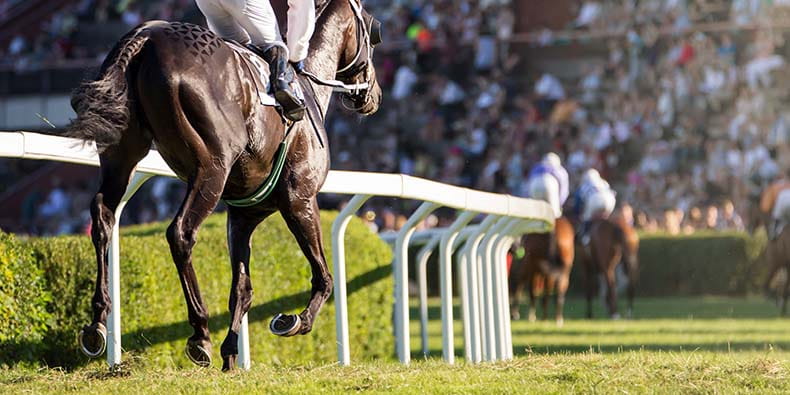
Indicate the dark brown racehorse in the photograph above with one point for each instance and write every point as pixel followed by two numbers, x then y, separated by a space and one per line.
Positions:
pixel 546 266
pixel 180 88
pixel 612 241
pixel 777 255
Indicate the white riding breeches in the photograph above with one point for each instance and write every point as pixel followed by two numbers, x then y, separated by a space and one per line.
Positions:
pixel 254 21
pixel 781 210
pixel 545 187
pixel 602 201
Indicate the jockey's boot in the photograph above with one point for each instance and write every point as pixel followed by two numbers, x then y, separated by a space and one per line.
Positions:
pixel 281 78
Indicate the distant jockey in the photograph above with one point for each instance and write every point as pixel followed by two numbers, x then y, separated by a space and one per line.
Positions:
pixel 548 181
pixel 593 199
pixel 775 206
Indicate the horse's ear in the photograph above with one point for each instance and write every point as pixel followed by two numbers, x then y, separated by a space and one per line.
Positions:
pixel 374 28
pixel 375 31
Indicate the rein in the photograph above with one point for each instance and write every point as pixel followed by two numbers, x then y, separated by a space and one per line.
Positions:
pixel 362 37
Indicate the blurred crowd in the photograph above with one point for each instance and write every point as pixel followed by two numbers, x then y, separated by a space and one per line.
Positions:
pixel 59 40
pixel 683 115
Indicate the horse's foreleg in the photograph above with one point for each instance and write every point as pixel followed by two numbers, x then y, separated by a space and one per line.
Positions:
pixel 241 224
pixel 591 281
pixel 548 286
pixel 531 314
pixel 301 216
pixel 516 290
pixel 561 289
pixel 203 194
pixel 611 292
pixel 116 171
pixel 631 290
pixel 785 294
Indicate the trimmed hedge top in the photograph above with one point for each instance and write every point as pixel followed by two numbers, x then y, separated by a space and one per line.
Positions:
pixel 154 316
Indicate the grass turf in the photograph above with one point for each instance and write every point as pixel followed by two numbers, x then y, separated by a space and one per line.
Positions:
pixel 688 345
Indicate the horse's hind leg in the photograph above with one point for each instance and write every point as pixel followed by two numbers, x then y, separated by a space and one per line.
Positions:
pixel 591 280
pixel 516 288
pixel 611 292
pixel 785 294
pixel 301 216
pixel 241 224
pixel 561 289
pixel 117 164
pixel 548 287
pixel 203 193
pixel 531 314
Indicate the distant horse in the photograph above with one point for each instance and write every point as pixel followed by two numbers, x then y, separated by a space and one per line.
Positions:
pixel 182 88
pixel 777 255
pixel 777 250
pixel 612 241
pixel 546 266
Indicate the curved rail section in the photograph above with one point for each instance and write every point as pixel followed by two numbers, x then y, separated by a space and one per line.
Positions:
pixel 481 268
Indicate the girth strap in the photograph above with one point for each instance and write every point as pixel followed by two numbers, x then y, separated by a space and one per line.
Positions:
pixel 268 185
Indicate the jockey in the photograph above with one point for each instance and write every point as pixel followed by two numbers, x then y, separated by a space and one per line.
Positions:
pixel 253 23
pixel 775 206
pixel 548 181
pixel 594 198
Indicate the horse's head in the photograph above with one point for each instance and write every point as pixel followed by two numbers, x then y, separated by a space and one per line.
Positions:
pixel 356 61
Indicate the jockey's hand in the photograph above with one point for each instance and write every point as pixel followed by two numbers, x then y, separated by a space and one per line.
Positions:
pixel 298 66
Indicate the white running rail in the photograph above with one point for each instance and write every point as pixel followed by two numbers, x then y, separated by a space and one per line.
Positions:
pixel 481 269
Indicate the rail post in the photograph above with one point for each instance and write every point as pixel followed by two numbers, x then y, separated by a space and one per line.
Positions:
pixel 446 283
pixel 422 280
pixel 114 274
pixel 339 263
pixel 473 290
pixel 401 271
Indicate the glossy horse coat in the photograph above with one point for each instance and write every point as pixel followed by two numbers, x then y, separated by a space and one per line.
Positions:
pixel 546 267
pixel 612 242
pixel 179 88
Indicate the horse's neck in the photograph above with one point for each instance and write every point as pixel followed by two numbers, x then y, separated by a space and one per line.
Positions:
pixel 325 51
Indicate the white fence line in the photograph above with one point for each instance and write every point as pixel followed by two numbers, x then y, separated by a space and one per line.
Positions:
pixel 484 279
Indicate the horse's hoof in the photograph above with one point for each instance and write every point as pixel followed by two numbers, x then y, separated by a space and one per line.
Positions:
pixel 93 340
pixel 515 316
pixel 199 352
pixel 560 322
pixel 532 317
pixel 616 316
pixel 285 324
pixel 229 362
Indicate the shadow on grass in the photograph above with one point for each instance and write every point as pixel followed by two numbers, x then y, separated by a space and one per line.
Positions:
pixel 672 308
pixel 521 349
pixel 15 352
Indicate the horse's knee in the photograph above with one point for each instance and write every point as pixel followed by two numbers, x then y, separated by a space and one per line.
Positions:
pixel 242 295
pixel 181 240
pixel 323 284
pixel 102 220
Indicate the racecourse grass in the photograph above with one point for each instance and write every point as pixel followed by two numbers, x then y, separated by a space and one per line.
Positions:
pixel 677 345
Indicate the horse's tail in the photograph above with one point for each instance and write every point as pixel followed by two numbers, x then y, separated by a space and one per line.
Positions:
pixel 102 104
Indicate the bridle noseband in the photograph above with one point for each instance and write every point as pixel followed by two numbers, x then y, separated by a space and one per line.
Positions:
pixel 368 36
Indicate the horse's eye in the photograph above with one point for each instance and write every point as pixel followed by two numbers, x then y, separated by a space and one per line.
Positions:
pixel 375 32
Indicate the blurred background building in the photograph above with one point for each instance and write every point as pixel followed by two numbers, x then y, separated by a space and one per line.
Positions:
pixel 681 104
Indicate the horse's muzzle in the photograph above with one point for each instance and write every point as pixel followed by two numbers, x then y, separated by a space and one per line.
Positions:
pixel 369 103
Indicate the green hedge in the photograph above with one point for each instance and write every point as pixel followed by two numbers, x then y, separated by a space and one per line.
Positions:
pixel 705 263
pixel 154 318
pixel 23 301
pixel 720 263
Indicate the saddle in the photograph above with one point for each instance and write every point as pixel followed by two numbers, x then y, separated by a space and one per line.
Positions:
pixel 258 69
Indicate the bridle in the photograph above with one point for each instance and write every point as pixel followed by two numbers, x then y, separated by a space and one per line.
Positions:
pixel 368 36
